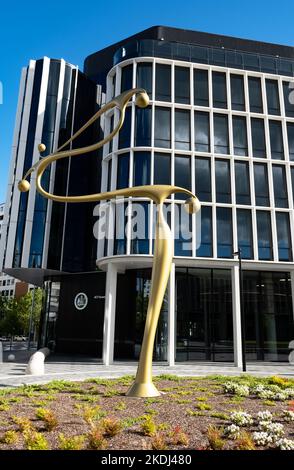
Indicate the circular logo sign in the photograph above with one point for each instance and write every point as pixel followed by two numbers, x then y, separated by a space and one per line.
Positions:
pixel 81 301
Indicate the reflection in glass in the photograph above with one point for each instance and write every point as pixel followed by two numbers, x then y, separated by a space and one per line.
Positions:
pixel 122 171
pixel 182 174
pixel 182 85
pixel 261 184
pixel 223 181
pixel 141 168
pixel 280 186
pixel 219 88
pixel 162 168
pixel 140 227
pixel 272 94
pixel 276 139
pixel 126 78
pixel 162 128
pixel 255 97
pixel 224 232
pixel 124 139
pixel 201 131
pixel 264 235
pixel 182 130
pixel 182 231
pixel 143 127
pixel 201 97
pixel 288 89
pixel 163 82
pixel 237 92
pixel 240 135
pixel 203 179
pixel 120 239
pixel 242 183
pixel 144 77
pixel 283 236
pixel 258 138
pixel 204 246
pixel 244 224
pixel 221 133
pixel 290 132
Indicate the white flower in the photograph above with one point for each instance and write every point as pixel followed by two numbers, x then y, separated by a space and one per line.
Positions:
pixel 288 415
pixel 289 392
pixel 274 429
pixel 232 431
pixel 236 389
pixel 241 418
pixel 262 438
pixel 285 444
pixel 264 416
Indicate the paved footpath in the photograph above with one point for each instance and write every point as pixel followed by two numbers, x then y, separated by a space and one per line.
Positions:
pixel 60 367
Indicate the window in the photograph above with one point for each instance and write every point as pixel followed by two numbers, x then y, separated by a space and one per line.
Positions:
pixel 264 235
pixel 143 127
pixel 182 231
pixel 203 179
pixel 124 139
pixel 292 180
pixel 163 83
pixel 288 89
pixel 122 180
pixel 223 181
pixel 272 95
pixel 219 88
pixel 140 226
pixel 141 168
pixel 182 85
pixel 237 92
pixel 244 226
pixel 162 128
pixel 144 77
pixel 120 239
pixel 109 168
pixel 111 127
pixel 201 131
pixel 276 138
pixel 204 246
pixel 126 78
pixel 221 135
pixel 182 130
pixel 280 186
pixel 182 174
pixel 201 96
pixel 283 235
pixel 258 138
pixel 240 135
pixel 224 232
pixel 290 132
pixel 255 97
pixel 242 183
pixel 261 185
pixel 162 168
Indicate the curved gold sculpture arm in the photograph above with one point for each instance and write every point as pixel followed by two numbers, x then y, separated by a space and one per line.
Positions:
pixel 163 247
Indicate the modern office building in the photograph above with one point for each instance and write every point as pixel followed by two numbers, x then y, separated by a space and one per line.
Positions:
pixel 220 123
pixel 7 283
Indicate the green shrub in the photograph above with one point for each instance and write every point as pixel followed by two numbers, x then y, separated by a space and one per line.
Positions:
pixel 48 417
pixel 203 406
pixel 24 424
pixel 214 438
pixel 158 441
pixel 35 440
pixel 179 437
pixel 245 442
pixel 71 443
pixel 220 415
pixel 96 440
pixel 148 427
pixel 111 427
pixel 120 406
pixel 10 437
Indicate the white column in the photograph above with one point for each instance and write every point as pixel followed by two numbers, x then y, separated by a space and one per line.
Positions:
pixel 109 314
pixel 292 292
pixel 237 333
pixel 171 318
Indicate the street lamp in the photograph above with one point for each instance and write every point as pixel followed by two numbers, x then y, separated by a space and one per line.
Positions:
pixel 238 253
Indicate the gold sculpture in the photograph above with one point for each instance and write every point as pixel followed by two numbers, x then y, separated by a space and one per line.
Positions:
pixel 163 248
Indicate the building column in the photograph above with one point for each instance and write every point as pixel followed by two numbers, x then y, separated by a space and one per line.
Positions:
pixel 109 314
pixel 171 317
pixel 237 333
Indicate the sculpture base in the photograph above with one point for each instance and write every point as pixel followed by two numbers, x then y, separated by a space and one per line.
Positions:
pixel 143 390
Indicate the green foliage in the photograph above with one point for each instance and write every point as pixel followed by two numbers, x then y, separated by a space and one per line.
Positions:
pixel 120 406
pixel 96 440
pixel 48 417
pixel 214 438
pixel 111 427
pixel 23 423
pixel 91 414
pixel 245 442
pixel 269 403
pixel 158 441
pixel 148 427
pixel 71 443
pixel 10 437
pixel 35 440
pixel 179 437
pixel 203 406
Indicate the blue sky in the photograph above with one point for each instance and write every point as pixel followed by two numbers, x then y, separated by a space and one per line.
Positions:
pixel 71 30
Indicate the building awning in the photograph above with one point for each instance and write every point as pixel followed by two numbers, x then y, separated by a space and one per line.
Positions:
pixel 33 276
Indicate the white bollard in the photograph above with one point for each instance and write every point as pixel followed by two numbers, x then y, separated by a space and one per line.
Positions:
pixel 36 363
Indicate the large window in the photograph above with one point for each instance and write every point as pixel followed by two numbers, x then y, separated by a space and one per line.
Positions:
pixel 201 96
pixel 141 168
pixel 240 135
pixel 276 138
pixel 163 82
pixel 224 232
pixel 139 224
pixel 242 183
pixel 280 186
pixel 221 134
pixel 283 236
pixel 204 246
pixel 144 77
pixel 223 181
pixel 261 185
pixel 120 239
pixel 182 85
pixel 237 93
pixel 264 235
pixel 126 78
pixel 290 132
pixel 182 130
pixel 203 179
pixel 258 138
pixel 255 97
pixel 244 224
pixel 182 231
pixel 201 131
pixel 272 95
pixel 162 168
pixel 122 171
pixel 143 127
pixel 182 174
pixel 288 89
pixel 162 128
pixel 292 181
pixel 124 139
pixel 219 88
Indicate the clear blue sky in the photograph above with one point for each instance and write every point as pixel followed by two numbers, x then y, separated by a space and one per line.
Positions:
pixel 73 30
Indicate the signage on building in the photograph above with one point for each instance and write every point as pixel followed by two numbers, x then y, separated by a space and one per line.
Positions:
pixel 81 301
